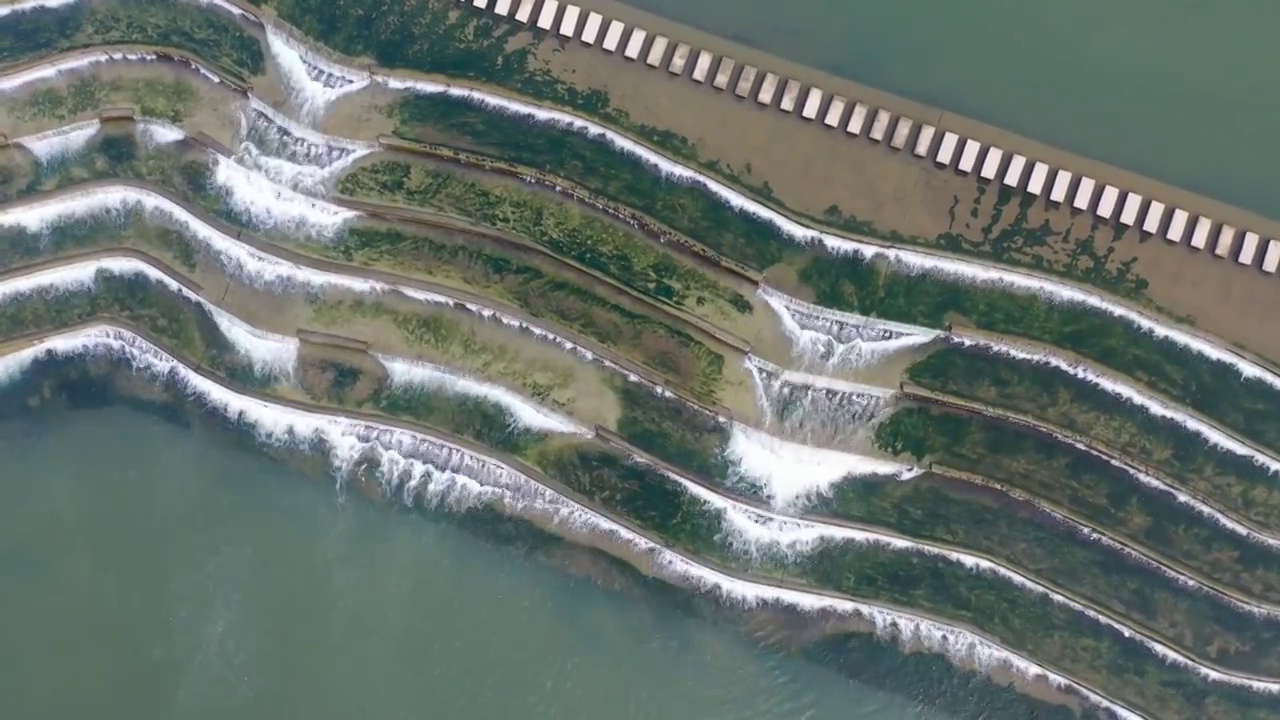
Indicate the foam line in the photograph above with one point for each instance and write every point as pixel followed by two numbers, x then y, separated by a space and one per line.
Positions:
pixel 443 474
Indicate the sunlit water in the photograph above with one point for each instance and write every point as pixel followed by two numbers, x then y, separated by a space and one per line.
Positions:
pixel 148 570
pixel 1178 90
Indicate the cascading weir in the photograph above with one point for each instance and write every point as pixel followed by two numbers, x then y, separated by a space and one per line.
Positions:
pixel 814 410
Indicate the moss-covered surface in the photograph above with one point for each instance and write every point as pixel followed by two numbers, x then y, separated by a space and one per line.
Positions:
pixel 171 99
pixel 202 31
pixel 1028 622
pixel 1091 487
pixel 591 241
pixel 1229 480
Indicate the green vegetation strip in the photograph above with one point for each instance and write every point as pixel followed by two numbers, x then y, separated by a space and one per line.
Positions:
pixel 1249 407
pixel 203 31
pixel 162 99
pixel 1229 480
pixel 591 241
pixel 542 293
pixel 1031 623
pixel 1088 486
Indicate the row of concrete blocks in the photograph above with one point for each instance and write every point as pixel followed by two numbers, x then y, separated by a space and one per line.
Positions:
pixel 836 111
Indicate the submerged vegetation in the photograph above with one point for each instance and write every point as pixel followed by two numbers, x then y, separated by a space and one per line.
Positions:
pixel 999 520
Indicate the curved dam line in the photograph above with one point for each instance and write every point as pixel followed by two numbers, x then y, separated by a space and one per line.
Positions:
pixel 977 273
pixel 957 643
pixel 1120 388
pixel 946 266
pixel 58 273
pixel 1117 385
pixel 17 75
pixel 738 509
pixel 1101 451
pixel 237 245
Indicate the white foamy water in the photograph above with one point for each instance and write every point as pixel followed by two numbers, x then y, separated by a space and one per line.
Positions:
pixel 314 82
pixel 54 69
pixel 291 154
pixel 826 340
pixel 270 355
pixel 268 206
pixel 28 5
pixel 1136 396
pixel 260 269
pixel 760 534
pixel 441 474
pixel 52 146
pixel 789 474
pixel 407 373
pixel 815 410
pixel 155 133
pixel 967 271
pixel 228 7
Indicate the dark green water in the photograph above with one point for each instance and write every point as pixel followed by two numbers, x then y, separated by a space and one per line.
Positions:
pixel 1179 90
pixel 152 571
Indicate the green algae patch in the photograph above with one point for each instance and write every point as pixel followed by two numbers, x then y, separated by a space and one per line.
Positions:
pixel 170 100
pixel 213 36
pixel 1027 622
pixel 1088 486
pixel 588 240
pixel 1230 481
pixel 1248 406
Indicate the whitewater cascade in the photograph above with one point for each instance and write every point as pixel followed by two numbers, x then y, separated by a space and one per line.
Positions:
pixel 292 155
pixel 313 82
pixel 267 206
pixel 53 146
pixel 827 341
pixel 426 469
pixel 816 410
pixel 269 354
pixel 408 373
pixel 789 474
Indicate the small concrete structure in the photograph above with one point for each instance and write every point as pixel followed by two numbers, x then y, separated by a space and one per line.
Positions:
pixel 790 95
pixel 768 89
pixel 482 4
pixel 502 8
pixel 591 28
pixel 613 36
pixel 924 141
pixel 656 51
pixel 901 132
pixel 1200 235
pixel 745 81
pixel 725 71
pixel 702 66
pixel 1177 225
pixel 835 111
pixel 1226 238
pixel 1061 184
pixel 1039 174
pixel 857 119
pixel 635 43
pixel 679 58
pixel 1107 202
pixel 969 156
pixel 547 17
pixel 1084 193
pixel 946 148
pixel 1013 175
pixel 1271 260
pixel 1155 213
pixel 880 125
pixel 1129 211
pixel 525 12
pixel 569 22
pixel 991 163
pixel 812 104
pixel 1248 248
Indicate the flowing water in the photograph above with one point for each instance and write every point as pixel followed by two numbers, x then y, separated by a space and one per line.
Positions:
pixel 209 581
